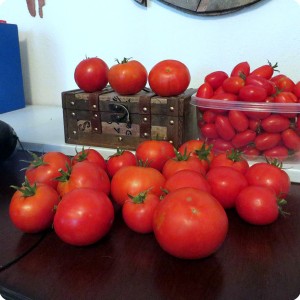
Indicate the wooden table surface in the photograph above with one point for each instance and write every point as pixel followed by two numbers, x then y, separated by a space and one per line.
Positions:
pixel 253 263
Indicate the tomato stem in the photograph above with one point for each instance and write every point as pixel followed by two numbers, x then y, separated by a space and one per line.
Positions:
pixel 124 61
pixel 26 189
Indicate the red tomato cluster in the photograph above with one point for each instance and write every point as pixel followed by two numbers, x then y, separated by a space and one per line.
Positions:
pixel 181 195
pixel 266 132
pixel 167 78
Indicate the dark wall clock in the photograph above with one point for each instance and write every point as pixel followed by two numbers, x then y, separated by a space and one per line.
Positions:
pixel 206 7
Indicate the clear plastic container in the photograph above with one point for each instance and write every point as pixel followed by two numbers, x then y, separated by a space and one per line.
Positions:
pixel 257 129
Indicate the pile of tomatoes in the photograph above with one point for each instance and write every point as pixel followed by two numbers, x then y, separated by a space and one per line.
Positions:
pixel 180 195
pixel 128 77
pixel 271 131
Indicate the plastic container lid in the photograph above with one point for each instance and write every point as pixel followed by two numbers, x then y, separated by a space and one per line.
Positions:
pixel 246 106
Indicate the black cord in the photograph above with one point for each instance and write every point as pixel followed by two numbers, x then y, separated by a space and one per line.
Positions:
pixel 15 260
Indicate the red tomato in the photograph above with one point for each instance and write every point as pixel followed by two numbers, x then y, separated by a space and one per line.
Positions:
pixel 238 120
pixel 205 91
pixel 199 149
pixel 31 208
pixel 127 77
pixel 296 90
pixel 267 140
pixel 268 85
pixel 220 145
pixel 118 160
pixel 257 205
pixel 224 128
pixel 91 74
pixel 291 139
pixel 243 139
pixel 169 78
pixel 182 162
pixel 190 224
pixel 135 179
pixel 186 178
pixel 45 169
pixel 285 97
pixel 226 183
pixel 224 96
pixel 90 155
pixel 232 158
pixel 269 175
pixel 252 93
pixel 233 84
pixel 83 217
pixel 283 83
pixel 254 124
pixel 257 115
pixel 209 116
pixel 275 123
pixel 241 69
pixel 278 152
pixel 154 153
pixel 209 131
pixel 265 71
pixel 138 211
pixel 215 79
pixel 83 175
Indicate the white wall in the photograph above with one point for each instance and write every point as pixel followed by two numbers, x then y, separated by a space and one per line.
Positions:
pixel 70 30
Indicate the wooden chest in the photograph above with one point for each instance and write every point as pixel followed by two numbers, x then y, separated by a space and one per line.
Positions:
pixel 106 119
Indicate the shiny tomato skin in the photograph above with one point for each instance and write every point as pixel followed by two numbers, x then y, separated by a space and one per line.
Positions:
pixel 233 84
pixel 85 174
pixel 225 96
pixel 296 90
pixel 138 215
pixel 266 140
pixel 285 97
pixel 187 178
pixel 224 128
pixel 244 138
pixel 34 213
pixel 128 77
pixel 226 183
pixel 209 116
pixel 278 152
pixel 190 224
pixel 174 165
pixel 154 153
pixel 121 158
pixel 257 115
pixel 291 139
pixel 91 74
pixel 216 78
pixel 265 71
pixel 90 155
pixel 238 120
pixel 220 145
pixel 133 180
pixel 242 68
pixel 209 131
pixel 45 169
pixel 283 83
pixel 252 93
pixel 268 175
pixel 275 123
pixel 205 91
pixel 261 82
pixel 169 78
pixel 83 217
pixel 257 205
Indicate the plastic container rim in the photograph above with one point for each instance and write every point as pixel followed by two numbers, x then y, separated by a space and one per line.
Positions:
pixel 245 106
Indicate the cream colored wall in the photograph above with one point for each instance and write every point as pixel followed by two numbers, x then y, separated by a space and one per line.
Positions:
pixel 70 30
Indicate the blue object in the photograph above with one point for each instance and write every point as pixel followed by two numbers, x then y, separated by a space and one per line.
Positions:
pixel 11 79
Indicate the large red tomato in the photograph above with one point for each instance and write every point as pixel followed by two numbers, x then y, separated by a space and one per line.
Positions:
pixel 169 78
pixel 45 168
pixel 269 175
pixel 127 77
pixel 155 153
pixel 32 207
pixel 84 174
pixel 91 74
pixel 190 223
pixel 83 217
pixel 132 180
pixel 90 155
